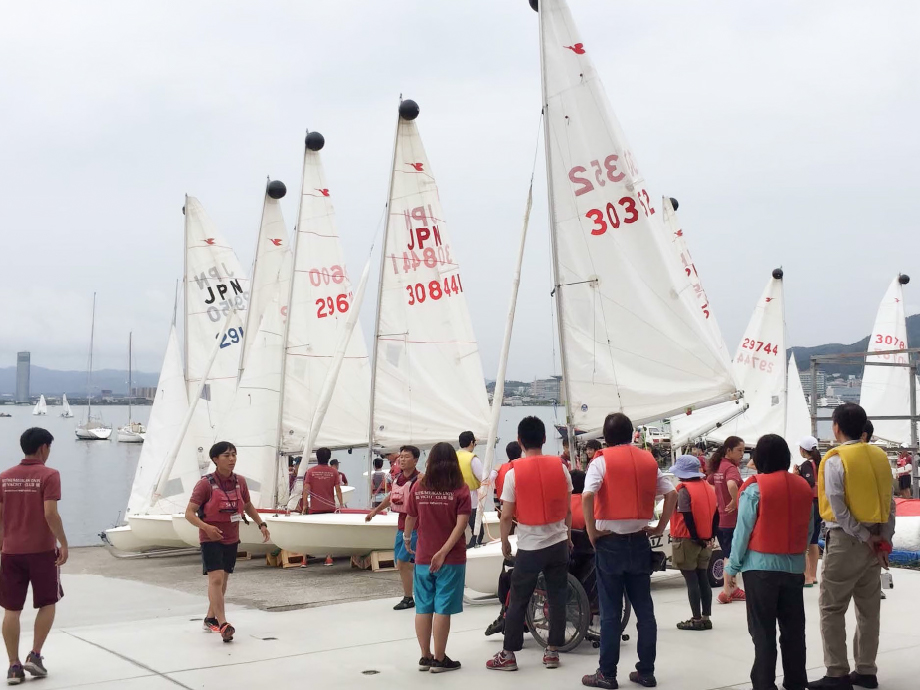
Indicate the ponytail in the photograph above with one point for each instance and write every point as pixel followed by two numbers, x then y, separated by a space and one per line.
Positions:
pixel 815 456
pixel 716 458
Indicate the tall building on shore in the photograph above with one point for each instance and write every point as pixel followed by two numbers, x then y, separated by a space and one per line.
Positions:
pixel 23 367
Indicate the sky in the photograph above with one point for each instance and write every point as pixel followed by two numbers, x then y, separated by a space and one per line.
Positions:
pixel 787 130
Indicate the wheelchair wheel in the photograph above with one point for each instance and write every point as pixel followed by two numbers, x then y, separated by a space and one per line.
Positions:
pixel 577 614
pixel 594 630
pixel 716 570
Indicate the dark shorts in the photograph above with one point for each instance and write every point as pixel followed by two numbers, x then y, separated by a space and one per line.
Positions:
pixel 217 556
pixel 816 531
pixel 904 482
pixel 726 535
pixel 19 570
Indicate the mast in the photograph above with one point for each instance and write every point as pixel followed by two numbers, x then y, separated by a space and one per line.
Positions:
pixel 129 379
pixel 778 274
pixel 185 289
pixel 175 304
pixel 557 285
pixel 89 376
pixel 252 276
pixel 408 107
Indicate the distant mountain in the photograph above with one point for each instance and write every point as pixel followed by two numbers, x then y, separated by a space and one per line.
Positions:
pixel 53 382
pixel 853 366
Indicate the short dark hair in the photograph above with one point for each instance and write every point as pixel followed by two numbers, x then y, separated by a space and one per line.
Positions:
pixel 416 453
pixel 771 454
pixel 323 455
pixel 578 481
pixel 593 445
pixel 220 448
pixel 442 470
pixel 466 438
pixel 33 439
pixel 618 429
pixel 378 463
pixel 531 433
pixel 869 430
pixel 334 462
pixel 850 419
pixel 513 450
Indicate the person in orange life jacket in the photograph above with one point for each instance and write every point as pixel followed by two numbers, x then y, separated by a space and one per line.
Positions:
pixel 771 537
pixel 725 477
pixel 216 507
pixel 693 529
pixel 335 464
pixel 537 493
pixel 398 502
pixel 322 483
pixel 592 450
pixel 619 503
pixel 808 470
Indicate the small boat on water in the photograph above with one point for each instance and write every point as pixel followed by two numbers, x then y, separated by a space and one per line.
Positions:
pixel 66 412
pixel 4 414
pixel 41 407
pixel 93 428
pixel 132 432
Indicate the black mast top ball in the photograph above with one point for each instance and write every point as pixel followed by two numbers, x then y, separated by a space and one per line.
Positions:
pixel 408 110
pixel 534 5
pixel 903 279
pixel 315 141
pixel 674 203
pixel 276 189
pixel 778 273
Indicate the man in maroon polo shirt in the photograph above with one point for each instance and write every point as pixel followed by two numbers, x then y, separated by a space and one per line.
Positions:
pixel 30 531
pixel 323 484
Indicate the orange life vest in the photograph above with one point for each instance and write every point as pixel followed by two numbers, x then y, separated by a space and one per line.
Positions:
pixel 541 491
pixel 500 479
pixel 578 513
pixel 629 486
pixel 703 508
pixel 783 514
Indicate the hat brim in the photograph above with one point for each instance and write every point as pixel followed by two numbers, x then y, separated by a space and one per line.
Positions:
pixel 683 474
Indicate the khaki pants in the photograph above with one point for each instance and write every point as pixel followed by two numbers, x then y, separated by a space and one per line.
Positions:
pixel 851 571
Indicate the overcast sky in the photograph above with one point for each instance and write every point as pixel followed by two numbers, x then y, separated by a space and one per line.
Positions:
pixel 788 131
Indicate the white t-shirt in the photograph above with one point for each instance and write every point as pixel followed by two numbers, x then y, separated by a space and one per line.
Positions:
pixel 535 537
pixel 593 480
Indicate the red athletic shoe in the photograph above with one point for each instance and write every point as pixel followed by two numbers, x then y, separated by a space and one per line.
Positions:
pixel 502 662
pixel 738 595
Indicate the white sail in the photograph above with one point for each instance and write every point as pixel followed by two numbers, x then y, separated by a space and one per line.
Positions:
pixel 886 390
pixel 798 417
pixel 321 295
pixel 214 284
pixel 271 267
pixel 428 384
pixel 66 412
pixel 630 337
pixel 169 408
pixel 41 407
pixel 760 372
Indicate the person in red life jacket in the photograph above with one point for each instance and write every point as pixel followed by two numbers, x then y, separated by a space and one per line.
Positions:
pixel 537 494
pixel 398 502
pixel 808 470
pixel 440 506
pixel 619 505
pixel 322 483
pixel 771 537
pixel 34 547
pixel 218 504
pixel 335 465
pixel 693 529
pixel 725 477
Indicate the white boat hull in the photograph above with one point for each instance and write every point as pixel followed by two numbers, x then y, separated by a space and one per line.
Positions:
pixel 97 434
pixel 124 539
pixel 130 437
pixel 155 531
pixel 250 536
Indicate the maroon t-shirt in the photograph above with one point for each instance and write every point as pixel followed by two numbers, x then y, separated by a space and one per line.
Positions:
pixel 322 480
pixel 23 492
pixel 202 493
pixel 437 513
pixel 720 478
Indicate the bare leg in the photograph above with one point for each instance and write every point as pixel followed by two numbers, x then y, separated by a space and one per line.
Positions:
pixel 423 633
pixel 811 564
pixel 441 631
pixel 406 573
pixel 11 635
pixel 43 622
pixel 217 583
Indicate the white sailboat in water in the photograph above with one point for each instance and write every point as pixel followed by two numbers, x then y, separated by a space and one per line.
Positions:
pixel 66 412
pixel 132 432
pixel 93 428
pixel 41 407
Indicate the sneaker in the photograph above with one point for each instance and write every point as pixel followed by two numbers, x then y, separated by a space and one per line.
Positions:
pixel 724 598
pixel 597 680
pixel 502 662
pixel 832 683
pixel 328 560
pixel 646 680
pixel 551 658
pixel 444 665
pixel 738 595
pixel 496 626
pixel 226 632
pixel 405 603
pixel 864 680
pixel 34 665
pixel 424 664
pixel 883 596
pixel 210 625
pixel 15 675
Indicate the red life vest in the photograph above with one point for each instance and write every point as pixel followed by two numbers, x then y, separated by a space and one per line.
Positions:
pixel 399 494
pixel 629 486
pixel 578 513
pixel 224 502
pixel 783 514
pixel 540 490
pixel 500 479
pixel 702 507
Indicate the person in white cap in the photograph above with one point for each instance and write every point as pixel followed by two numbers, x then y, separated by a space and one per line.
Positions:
pixel 808 470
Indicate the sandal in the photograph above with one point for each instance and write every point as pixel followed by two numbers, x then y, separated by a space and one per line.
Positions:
pixel 692 624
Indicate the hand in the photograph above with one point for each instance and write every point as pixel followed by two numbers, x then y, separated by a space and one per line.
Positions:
pixel 882 557
pixel 61 556
pixel 873 541
pixel 571 544
pixel 506 548
pixel 655 531
pixel 370 515
pixel 731 507
pixel 436 562
pixel 266 535
pixel 213 533
pixel 407 542
pixel 597 534
pixel 796 470
pixel 702 543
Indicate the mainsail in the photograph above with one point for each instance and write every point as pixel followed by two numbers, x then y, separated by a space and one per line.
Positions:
pixel 428 383
pixel 630 337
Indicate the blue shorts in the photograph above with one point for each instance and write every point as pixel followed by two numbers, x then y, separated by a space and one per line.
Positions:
pixel 440 592
pixel 399 547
